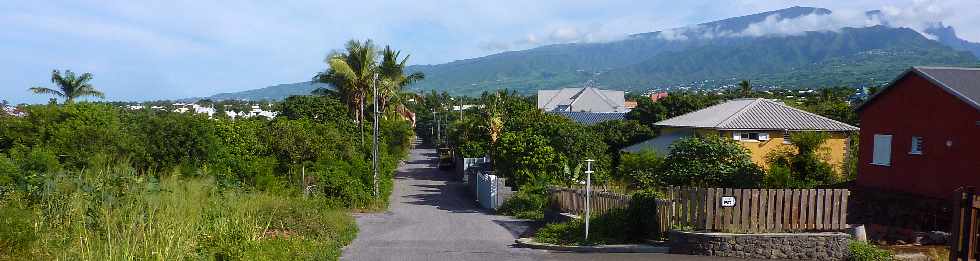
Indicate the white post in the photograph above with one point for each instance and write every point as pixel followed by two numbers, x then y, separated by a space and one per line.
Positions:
pixel 588 195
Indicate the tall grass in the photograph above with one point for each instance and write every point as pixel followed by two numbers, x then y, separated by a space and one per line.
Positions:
pixel 115 214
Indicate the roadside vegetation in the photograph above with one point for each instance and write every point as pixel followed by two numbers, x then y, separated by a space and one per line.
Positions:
pixel 97 181
pixel 535 150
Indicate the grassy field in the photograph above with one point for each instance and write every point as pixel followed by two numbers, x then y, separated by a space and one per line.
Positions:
pixel 116 214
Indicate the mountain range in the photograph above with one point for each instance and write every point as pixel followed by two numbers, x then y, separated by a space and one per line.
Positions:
pixel 704 56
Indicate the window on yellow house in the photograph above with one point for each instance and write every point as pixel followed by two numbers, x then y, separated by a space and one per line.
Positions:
pixel 750 136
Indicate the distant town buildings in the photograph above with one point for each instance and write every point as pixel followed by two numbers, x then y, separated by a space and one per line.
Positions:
pixel 654 97
pixel 253 111
pixel 12 111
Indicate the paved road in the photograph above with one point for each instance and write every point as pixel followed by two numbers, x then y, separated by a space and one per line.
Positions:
pixel 431 218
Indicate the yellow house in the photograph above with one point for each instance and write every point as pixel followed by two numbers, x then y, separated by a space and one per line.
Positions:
pixel 760 125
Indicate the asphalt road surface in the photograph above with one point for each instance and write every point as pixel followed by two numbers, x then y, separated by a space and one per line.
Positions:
pixel 432 218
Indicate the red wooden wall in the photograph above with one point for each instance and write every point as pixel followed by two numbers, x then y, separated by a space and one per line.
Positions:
pixel 916 107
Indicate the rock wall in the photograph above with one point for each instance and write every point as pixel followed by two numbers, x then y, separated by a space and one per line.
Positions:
pixel 808 246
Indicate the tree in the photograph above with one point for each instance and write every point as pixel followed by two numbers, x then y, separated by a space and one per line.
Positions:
pixel 640 169
pixel 352 72
pixel 744 89
pixel 393 79
pixel 804 166
pixel 526 158
pixel 710 162
pixel 70 86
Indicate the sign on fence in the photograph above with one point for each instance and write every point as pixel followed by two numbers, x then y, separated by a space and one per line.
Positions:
pixel 729 210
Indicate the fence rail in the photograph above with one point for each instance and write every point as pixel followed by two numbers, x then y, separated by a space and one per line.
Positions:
pixel 965 237
pixel 573 201
pixel 744 210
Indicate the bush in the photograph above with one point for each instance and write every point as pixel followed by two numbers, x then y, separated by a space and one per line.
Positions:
pixel 609 228
pixel 526 204
pixel 862 251
pixel 710 162
pixel 641 170
pixel 644 220
pixel 803 166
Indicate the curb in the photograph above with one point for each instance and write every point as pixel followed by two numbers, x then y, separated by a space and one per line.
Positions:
pixel 627 248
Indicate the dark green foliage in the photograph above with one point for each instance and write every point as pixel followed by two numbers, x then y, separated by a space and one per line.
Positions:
pixel 473 149
pixel 619 134
pixel 644 221
pixel 527 203
pixel 803 167
pixel 322 109
pixel 641 170
pixel 863 251
pixel 16 230
pixel 710 162
pixel 526 158
pixel 610 228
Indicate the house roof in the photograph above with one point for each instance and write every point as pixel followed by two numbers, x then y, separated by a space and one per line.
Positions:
pixel 589 118
pixel 964 83
pixel 660 144
pixel 755 114
pixel 577 99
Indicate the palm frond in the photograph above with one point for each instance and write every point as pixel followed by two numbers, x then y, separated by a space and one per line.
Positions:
pixel 43 90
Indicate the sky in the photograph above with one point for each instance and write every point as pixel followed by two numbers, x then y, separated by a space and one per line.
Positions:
pixel 149 50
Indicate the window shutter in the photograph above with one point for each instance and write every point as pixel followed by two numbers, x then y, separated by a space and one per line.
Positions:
pixel 736 135
pixel 763 136
pixel 882 154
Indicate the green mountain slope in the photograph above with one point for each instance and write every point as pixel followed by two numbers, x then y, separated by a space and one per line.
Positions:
pixel 651 60
pixel 275 92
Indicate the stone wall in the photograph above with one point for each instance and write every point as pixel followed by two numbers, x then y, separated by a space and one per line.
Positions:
pixel 808 246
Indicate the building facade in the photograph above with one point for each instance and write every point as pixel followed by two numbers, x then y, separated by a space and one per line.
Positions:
pixel 921 133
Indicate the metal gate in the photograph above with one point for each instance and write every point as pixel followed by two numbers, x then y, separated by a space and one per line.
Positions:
pixel 965 236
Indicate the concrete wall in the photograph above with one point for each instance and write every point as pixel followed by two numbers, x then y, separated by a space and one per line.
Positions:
pixel 805 246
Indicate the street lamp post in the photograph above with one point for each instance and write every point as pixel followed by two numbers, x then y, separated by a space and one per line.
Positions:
pixel 588 195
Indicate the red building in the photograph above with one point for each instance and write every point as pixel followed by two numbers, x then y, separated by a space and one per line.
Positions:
pixel 921 133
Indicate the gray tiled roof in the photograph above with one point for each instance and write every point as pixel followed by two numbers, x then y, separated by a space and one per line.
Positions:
pixel 587 99
pixel 755 114
pixel 963 83
pixel 589 118
pixel 660 144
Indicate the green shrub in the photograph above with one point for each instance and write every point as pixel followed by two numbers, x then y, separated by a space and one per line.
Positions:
pixel 641 170
pixel 710 162
pixel 644 221
pixel 610 228
pixel 863 251
pixel 526 204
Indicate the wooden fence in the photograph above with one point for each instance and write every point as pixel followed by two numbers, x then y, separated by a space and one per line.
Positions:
pixel 745 210
pixel 965 237
pixel 573 201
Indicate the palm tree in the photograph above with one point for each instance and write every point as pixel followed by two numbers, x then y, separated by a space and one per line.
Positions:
pixel 70 86
pixel 744 89
pixel 392 79
pixel 352 73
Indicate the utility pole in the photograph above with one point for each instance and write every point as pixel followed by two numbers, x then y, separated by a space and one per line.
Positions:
pixel 588 195
pixel 374 152
pixel 438 129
